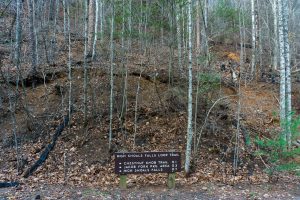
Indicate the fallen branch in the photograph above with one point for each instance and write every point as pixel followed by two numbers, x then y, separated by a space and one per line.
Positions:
pixel 49 148
pixel 198 138
pixel 8 184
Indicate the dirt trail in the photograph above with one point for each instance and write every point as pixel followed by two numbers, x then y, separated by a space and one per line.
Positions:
pixel 204 191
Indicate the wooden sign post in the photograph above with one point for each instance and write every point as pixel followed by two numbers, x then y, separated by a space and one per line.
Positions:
pixel 148 162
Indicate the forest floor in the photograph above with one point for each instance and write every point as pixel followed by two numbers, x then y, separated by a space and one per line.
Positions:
pixel 81 167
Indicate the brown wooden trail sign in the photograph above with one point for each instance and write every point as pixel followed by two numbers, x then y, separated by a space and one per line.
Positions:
pixel 147 162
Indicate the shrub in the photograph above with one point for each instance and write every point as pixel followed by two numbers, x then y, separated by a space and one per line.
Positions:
pixel 275 150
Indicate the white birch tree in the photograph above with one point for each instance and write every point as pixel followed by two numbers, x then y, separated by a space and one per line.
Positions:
pixel 253 38
pixel 95 28
pixel 190 96
pixel 285 75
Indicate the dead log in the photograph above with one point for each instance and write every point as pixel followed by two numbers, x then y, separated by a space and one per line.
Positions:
pixel 48 148
pixel 8 184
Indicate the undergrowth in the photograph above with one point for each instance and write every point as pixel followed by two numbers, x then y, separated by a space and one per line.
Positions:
pixel 275 150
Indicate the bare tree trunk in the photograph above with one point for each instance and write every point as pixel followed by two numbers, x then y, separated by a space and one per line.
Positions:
pixel 35 34
pixel 145 38
pixel 111 73
pixel 17 62
pixel 65 19
pixel 101 20
pixel 270 44
pixel 125 70
pixel 69 59
pixel 282 68
pixel 130 24
pixel 190 97
pixel 91 21
pixel 285 76
pixel 136 108
pixel 285 13
pixel 95 28
pixel 85 83
pixel 198 31
pixel 18 34
pixel 178 26
pixel 253 18
pixel 53 39
pixel 171 44
pixel 12 108
pixel 140 25
pixel 275 11
pixel 259 38
pixel 52 9
pixel 184 32
pixel 237 136
pixel 32 36
pixel 123 30
pixel 205 46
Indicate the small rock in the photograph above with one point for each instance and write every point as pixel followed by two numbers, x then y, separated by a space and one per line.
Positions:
pixel 266 195
pixel 204 188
